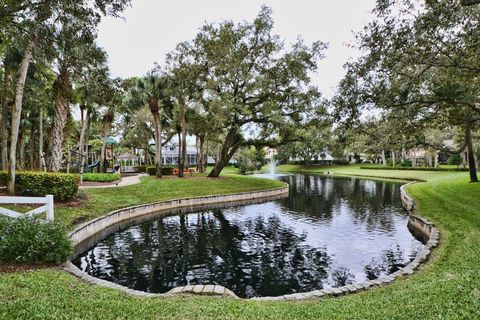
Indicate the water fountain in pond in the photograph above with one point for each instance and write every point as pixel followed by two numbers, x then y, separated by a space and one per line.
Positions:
pixel 273 166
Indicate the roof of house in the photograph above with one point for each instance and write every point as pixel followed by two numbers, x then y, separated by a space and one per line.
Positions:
pixel 127 156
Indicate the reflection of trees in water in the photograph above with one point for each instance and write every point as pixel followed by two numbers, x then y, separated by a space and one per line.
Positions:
pixel 342 276
pixel 369 202
pixel 390 261
pixel 259 257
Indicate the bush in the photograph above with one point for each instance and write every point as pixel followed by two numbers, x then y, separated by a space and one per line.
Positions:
pixel 28 240
pixel 152 171
pixel 101 177
pixel 167 171
pixel 455 159
pixel 341 162
pixel 62 186
pixel 141 169
pixel 406 163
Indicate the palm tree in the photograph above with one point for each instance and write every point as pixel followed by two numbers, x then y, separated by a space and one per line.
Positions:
pixel 150 90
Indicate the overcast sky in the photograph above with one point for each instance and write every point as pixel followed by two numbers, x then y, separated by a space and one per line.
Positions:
pixel 152 28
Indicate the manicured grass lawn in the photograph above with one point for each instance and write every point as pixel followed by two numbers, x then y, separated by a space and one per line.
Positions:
pixel 447 287
pixel 151 189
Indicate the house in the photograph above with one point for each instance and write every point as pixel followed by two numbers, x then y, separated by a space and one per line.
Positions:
pixel 170 155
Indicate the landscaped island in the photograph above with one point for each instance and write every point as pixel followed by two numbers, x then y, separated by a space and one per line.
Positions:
pixel 449 277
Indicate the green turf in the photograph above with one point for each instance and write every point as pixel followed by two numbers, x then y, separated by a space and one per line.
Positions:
pixel 447 287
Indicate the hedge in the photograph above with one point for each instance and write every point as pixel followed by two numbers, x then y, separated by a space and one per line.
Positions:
pixel 413 168
pixel 167 171
pixel 141 169
pixel 101 177
pixel 62 186
pixel 29 240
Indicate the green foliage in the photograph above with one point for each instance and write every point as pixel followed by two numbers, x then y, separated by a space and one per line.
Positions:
pixel 250 159
pixel 28 240
pixel 62 186
pixel 167 171
pixel 141 169
pixel 152 171
pixel 455 159
pixel 101 177
pixel 406 163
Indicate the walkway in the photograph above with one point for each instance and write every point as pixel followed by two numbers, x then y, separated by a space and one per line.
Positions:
pixel 126 181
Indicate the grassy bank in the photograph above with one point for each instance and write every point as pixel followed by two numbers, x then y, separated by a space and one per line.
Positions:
pixel 447 287
pixel 103 200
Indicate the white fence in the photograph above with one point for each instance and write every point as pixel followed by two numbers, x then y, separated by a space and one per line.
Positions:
pixel 47 207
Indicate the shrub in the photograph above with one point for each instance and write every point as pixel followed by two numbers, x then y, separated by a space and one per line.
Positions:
pixel 28 240
pixel 406 163
pixel 141 169
pixel 341 162
pixel 151 171
pixel 455 159
pixel 62 186
pixel 167 171
pixel 101 177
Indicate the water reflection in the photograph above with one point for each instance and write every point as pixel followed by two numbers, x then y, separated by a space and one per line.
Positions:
pixel 328 232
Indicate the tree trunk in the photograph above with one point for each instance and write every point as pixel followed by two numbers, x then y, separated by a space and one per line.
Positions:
pixel 61 89
pixel 85 120
pixel 16 114
pixel 145 155
pixel 197 149
pixel 182 142
pixel 41 155
pixel 201 159
pixel 471 155
pixel 4 122
pixel 21 150
pixel 103 154
pixel 158 144
pixel 393 158
pixel 31 151
pixel 230 146
pixel 384 160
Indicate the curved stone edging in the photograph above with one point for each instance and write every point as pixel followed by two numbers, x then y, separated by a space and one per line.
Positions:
pixel 90 228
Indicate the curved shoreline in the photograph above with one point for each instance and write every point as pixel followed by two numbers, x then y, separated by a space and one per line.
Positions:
pixel 89 229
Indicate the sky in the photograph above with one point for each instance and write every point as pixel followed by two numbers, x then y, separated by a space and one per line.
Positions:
pixel 152 28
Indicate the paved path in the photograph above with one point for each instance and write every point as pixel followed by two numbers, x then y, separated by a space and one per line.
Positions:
pixel 126 181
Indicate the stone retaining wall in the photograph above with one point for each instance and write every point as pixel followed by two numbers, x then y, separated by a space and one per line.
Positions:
pixel 89 229
pixel 92 227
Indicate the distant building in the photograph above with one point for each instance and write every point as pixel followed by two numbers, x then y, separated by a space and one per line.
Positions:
pixel 170 155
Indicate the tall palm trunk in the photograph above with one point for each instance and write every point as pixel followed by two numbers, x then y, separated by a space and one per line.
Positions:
pixel 21 150
pixel 16 113
pixel 85 120
pixel 61 89
pixel 31 145
pixel 4 122
pixel 41 156
pixel 157 123
pixel 108 119
pixel 182 140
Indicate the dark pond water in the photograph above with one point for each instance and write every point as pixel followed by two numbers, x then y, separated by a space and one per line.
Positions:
pixel 329 232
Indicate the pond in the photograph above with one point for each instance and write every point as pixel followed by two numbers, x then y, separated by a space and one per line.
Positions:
pixel 328 232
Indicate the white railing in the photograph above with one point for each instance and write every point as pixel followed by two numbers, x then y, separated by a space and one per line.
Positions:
pixel 47 207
